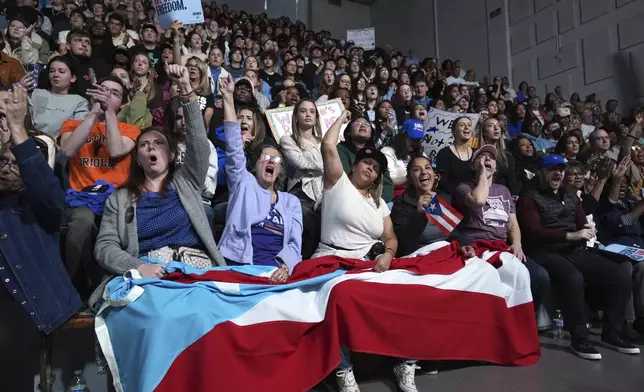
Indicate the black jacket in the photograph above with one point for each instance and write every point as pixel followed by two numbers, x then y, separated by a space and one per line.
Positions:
pixel 101 70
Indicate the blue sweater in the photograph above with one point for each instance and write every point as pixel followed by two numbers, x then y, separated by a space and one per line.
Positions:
pixel 249 203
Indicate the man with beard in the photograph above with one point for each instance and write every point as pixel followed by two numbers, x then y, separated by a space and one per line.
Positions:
pixel 357 136
pixel 556 222
pixel 79 52
pixel 37 290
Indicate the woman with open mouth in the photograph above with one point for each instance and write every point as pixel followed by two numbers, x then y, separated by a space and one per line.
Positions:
pixel 263 225
pixel 158 212
pixel 356 224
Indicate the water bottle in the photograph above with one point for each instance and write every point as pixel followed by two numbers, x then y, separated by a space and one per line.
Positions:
pixel 558 322
pixel 78 383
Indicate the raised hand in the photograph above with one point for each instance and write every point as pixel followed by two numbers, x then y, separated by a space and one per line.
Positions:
pixel 178 74
pixel 620 170
pixel 28 82
pixel 99 97
pixel 227 87
pixel 17 108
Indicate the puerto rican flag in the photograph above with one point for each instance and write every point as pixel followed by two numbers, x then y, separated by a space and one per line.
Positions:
pixel 229 329
pixel 443 215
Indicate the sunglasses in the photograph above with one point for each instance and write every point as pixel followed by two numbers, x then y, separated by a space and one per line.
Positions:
pixel 267 157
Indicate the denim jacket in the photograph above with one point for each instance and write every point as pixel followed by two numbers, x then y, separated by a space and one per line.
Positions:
pixel 31 268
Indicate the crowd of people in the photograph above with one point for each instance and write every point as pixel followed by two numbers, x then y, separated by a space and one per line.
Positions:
pixel 142 141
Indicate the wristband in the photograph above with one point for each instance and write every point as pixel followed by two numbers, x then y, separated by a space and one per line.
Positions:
pixel 393 252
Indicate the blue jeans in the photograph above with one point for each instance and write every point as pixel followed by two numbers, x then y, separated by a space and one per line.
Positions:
pixel 345 358
pixel 210 214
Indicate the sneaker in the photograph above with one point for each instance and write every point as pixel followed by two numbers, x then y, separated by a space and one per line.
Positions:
pixel 583 349
pixel 346 381
pixel 638 325
pixel 406 377
pixel 429 368
pixel 620 345
pixel 630 335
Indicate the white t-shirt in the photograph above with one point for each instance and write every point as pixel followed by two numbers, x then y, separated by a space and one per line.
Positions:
pixel 349 221
pixel 397 167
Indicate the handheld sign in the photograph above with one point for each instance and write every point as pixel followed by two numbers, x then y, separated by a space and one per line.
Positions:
pixel 438 130
pixel 364 38
pixel 280 119
pixel 185 11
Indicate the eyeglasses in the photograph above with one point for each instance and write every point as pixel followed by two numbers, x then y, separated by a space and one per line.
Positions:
pixel 268 157
pixel 116 93
pixel 13 165
pixel 575 174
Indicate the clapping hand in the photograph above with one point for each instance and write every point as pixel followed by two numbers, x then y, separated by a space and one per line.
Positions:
pixel 99 98
pixel 17 113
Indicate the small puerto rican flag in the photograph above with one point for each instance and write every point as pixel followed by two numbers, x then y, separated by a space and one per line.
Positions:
pixel 443 215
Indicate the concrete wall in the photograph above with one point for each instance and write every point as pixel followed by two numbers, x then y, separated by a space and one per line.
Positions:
pixel 583 45
pixel 405 25
pixel 294 9
pixel 339 19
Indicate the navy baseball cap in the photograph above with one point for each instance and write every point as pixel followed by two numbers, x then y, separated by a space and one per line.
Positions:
pixel 551 160
pixel 414 128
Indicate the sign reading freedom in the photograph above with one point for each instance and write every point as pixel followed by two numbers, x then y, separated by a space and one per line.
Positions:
pixel 185 11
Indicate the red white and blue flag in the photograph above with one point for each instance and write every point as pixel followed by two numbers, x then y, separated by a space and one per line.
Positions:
pixel 443 215
pixel 229 329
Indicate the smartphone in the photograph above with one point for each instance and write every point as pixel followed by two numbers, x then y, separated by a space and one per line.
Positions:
pixel 33 70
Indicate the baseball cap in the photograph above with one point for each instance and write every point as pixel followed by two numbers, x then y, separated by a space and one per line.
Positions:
pixel 123 49
pixel 247 81
pixel 563 112
pixel 488 148
pixel 148 25
pixel 414 128
pixel 372 153
pixel 551 160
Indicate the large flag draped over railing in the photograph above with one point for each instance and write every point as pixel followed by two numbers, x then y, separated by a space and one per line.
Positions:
pixel 228 328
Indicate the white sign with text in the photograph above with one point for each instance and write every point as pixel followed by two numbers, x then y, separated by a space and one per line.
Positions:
pixel 364 38
pixel 438 129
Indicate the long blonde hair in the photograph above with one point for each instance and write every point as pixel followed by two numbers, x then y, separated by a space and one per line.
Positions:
pixel 203 88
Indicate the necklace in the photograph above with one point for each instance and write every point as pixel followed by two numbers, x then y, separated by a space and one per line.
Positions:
pixel 458 154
